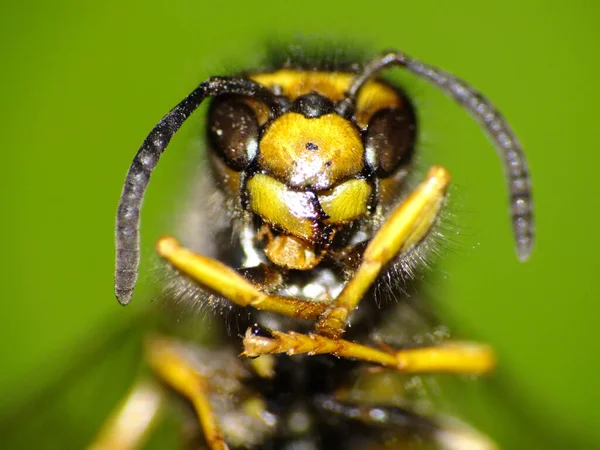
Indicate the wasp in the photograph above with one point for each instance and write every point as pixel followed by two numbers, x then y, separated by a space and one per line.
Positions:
pixel 311 230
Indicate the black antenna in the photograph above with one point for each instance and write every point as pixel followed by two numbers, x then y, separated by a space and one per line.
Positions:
pixel 138 176
pixel 506 143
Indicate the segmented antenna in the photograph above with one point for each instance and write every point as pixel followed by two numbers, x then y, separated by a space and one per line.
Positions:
pixel 506 143
pixel 138 176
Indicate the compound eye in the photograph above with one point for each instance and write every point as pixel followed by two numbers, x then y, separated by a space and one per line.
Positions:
pixel 390 139
pixel 233 131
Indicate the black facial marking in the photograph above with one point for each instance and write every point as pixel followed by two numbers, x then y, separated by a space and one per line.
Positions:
pixel 312 105
pixel 312 146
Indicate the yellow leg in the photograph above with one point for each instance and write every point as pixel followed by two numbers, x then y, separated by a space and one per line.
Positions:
pixel 401 232
pixel 451 357
pixel 173 368
pixel 130 425
pixel 227 282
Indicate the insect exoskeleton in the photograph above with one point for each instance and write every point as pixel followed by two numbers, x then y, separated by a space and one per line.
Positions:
pixel 312 162
pixel 310 172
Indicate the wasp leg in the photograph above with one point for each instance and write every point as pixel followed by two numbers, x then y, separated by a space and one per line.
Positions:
pixel 130 425
pixel 407 425
pixel 228 283
pixel 168 362
pixel 450 357
pixel 402 231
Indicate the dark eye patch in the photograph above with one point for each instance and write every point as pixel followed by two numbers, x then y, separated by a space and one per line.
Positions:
pixel 390 137
pixel 233 131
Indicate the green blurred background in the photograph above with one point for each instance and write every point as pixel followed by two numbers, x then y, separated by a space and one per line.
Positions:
pixel 83 82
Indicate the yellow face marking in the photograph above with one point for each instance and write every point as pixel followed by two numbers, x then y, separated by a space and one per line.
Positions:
pixel 373 96
pixel 316 153
pixel 279 206
pixel 346 202
pixel 295 83
pixel 291 253
pixel 260 109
